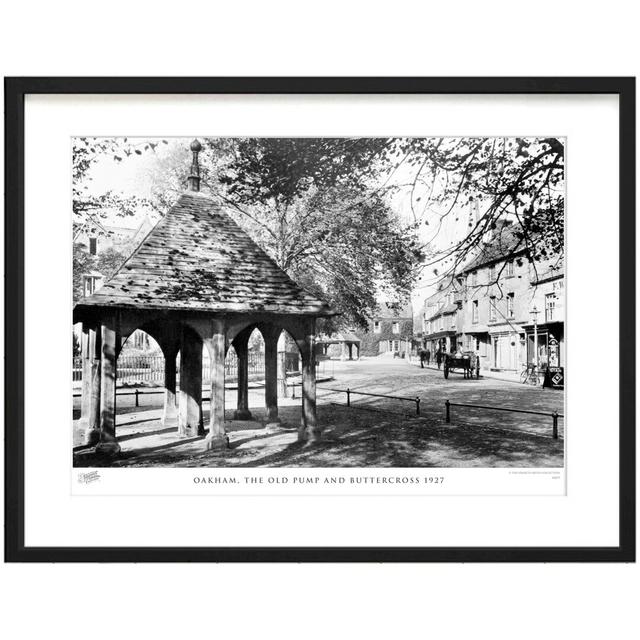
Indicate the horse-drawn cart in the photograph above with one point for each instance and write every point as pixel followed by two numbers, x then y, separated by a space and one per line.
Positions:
pixel 467 362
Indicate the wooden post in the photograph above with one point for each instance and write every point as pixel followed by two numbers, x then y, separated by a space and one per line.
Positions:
pixel 271 377
pixel 170 412
pixel 217 437
pixel 309 431
pixel 282 371
pixel 90 410
pixel 241 345
pixel 108 374
pixel 87 360
pixel 190 406
pixel 96 376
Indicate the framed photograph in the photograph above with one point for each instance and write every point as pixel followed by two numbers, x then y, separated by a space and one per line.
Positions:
pixel 320 319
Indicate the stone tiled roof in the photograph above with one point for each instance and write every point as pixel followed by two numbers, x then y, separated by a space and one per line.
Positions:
pixel 198 258
pixel 505 243
pixel 335 338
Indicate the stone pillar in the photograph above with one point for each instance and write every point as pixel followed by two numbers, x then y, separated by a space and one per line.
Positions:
pixel 271 376
pixel 87 360
pixel 282 367
pixel 217 437
pixel 241 345
pixel 90 410
pixel 108 374
pixel 190 404
pixel 350 352
pixel 309 430
pixel 170 413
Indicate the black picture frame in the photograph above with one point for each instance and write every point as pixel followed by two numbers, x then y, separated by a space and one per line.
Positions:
pixel 15 91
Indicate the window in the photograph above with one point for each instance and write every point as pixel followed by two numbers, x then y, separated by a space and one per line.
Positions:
pixel 454 319
pixel 510 312
pixel 474 278
pixel 492 309
pixel 376 326
pixel 492 273
pixel 549 307
pixel 90 284
pixel 93 246
pixel 428 327
pixel 474 311
pixel 395 327
pixel 390 345
pixel 510 269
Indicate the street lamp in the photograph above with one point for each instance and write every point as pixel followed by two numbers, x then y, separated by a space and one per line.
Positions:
pixel 534 318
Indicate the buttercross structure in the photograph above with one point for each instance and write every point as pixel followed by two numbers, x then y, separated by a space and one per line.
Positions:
pixel 196 279
pixel 345 344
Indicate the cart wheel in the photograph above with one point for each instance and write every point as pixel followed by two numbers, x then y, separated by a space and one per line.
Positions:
pixel 446 370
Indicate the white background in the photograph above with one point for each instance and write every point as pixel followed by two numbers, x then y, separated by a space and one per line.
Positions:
pixel 314 601
pixel 587 516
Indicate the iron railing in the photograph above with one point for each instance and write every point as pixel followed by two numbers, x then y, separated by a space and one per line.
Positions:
pixel 145 369
pixel 553 414
pixel 350 392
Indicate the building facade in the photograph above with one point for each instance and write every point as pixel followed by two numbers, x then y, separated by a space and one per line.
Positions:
pixel 390 332
pixel 95 239
pixel 441 318
pixel 506 309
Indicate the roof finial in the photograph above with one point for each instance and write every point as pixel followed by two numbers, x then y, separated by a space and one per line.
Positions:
pixel 194 178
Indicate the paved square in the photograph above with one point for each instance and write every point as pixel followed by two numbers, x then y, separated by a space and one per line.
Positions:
pixel 372 432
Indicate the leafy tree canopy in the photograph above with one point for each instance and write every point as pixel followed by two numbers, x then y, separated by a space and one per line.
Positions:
pixel 520 179
pixel 323 209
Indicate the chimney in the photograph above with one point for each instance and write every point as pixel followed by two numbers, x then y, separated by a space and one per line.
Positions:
pixel 474 212
pixel 193 180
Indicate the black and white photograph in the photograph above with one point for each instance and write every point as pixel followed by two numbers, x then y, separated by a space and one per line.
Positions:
pixel 322 316
pixel 364 302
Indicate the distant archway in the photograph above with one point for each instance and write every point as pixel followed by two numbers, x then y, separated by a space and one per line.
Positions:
pixel 140 361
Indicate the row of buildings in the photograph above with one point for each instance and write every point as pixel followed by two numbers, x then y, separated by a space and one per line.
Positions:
pixel 500 305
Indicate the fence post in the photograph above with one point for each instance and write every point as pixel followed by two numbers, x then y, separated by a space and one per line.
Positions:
pixel 137 401
pixel 447 411
pixel 417 406
pixel 348 397
pixel 555 425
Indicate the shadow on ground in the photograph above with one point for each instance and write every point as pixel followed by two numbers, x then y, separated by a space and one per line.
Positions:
pixel 352 437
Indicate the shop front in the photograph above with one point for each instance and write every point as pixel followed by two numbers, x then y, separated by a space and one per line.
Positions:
pixel 505 351
pixel 548 341
pixel 445 341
